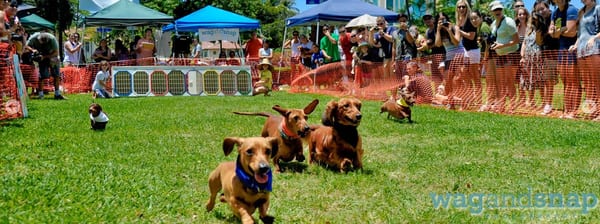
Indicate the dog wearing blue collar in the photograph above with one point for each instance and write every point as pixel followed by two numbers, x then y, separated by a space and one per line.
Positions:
pixel 247 182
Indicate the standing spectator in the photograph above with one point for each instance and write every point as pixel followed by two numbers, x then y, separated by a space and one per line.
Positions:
pixel 329 43
pixel 588 54
pixel 294 44
pixel 365 61
pixel 47 46
pixel 523 27
pixel 265 51
pixel 447 36
pixel 437 53
pixel 346 45
pixel 146 48
pixel 72 49
pixel 102 52
pixel 404 46
pixel 506 55
pixel 233 59
pixel 121 52
pixel 563 26
pixel 385 41
pixel 196 51
pixel 133 47
pixel 469 80
pixel 253 46
pixel 488 66
pixel 531 58
pixel 550 57
pixel 100 86
pixel 306 51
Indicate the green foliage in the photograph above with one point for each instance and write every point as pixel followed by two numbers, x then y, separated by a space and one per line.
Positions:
pixel 152 163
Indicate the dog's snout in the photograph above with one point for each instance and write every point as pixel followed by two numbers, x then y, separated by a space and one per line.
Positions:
pixel 358 116
pixel 306 128
pixel 263 167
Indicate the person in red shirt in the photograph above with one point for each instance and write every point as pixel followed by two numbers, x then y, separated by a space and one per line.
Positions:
pixel 346 47
pixel 252 47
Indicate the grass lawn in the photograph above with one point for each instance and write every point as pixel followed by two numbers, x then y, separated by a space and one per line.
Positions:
pixel 153 161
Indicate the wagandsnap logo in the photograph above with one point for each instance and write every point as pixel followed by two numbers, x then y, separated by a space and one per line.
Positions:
pixel 477 203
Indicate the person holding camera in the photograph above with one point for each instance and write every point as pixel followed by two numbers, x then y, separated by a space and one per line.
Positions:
pixel 44 47
pixel 447 36
pixel 72 49
pixel 383 40
pixel 505 50
pixel 404 47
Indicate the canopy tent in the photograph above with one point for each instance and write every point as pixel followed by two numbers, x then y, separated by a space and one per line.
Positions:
pixel 35 22
pixel 333 11
pixel 96 5
pixel 126 13
pixel 25 10
pixel 211 17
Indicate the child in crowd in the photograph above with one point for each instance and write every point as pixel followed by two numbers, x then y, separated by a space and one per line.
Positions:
pixel 318 56
pixel 99 87
pixel 265 84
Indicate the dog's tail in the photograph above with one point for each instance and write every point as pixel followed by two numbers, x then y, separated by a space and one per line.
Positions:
pixel 264 114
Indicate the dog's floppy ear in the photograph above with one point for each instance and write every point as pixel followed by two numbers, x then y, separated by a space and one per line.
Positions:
pixel 228 144
pixel 311 106
pixel 328 118
pixel 274 145
pixel 281 111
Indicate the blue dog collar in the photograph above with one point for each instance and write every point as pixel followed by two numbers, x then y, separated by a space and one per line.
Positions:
pixel 249 182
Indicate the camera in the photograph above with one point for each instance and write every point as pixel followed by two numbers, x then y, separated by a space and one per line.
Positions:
pixel 490 39
pixel 376 28
pixel 16 37
pixel 36 56
pixel 445 23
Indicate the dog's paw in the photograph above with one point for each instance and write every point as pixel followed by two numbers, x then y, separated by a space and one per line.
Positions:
pixel 300 157
pixel 268 219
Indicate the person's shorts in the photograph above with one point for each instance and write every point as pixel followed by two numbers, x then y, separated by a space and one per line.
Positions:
pixel 48 69
pixel 566 57
pixel 473 55
pixel 550 72
pixel 102 93
pixel 511 59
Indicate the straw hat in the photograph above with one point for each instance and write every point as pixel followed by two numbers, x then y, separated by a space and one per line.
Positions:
pixel 265 61
pixel 496 5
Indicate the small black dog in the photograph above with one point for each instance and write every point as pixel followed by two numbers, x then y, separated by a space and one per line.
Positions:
pixel 98 118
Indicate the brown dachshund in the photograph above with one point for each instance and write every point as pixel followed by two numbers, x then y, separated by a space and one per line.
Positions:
pixel 337 143
pixel 247 182
pixel 289 128
pixel 400 108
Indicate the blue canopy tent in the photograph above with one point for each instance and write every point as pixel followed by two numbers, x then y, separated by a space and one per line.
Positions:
pixel 211 17
pixel 333 11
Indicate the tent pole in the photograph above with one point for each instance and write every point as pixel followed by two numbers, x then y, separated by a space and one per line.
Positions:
pixel 316 41
pixel 240 51
pixel 282 53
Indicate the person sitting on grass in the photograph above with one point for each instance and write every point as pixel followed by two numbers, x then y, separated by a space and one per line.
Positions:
pixel 99 88
pixel 264 86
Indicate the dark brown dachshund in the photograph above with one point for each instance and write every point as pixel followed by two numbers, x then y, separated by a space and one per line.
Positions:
pixel 400 108
pixel 289 128
pixel 337 143
pixel 247 182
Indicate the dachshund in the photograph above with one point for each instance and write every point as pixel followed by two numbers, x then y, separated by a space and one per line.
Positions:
pixel 98 119
pixel 290 128
pixel 337 143
pixel 400 108
pixel 247 182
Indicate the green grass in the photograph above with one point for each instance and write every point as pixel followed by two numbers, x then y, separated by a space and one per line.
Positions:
pixel 153 161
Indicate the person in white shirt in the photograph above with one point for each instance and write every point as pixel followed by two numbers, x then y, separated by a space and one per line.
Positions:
pixel 72 49
pixel 99 88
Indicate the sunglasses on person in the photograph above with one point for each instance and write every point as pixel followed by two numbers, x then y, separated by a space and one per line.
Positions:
pixel 295 34
pixel 461 7
pixel 519 6
pixel 380 23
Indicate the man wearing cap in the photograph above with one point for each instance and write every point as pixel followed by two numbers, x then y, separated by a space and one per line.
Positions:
pixel 46 45
pixel 404 45
pixel 329 43
pixel 383 39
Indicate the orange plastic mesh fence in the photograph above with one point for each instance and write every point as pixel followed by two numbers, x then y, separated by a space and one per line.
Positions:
pixel 10 104
pixel 551 83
